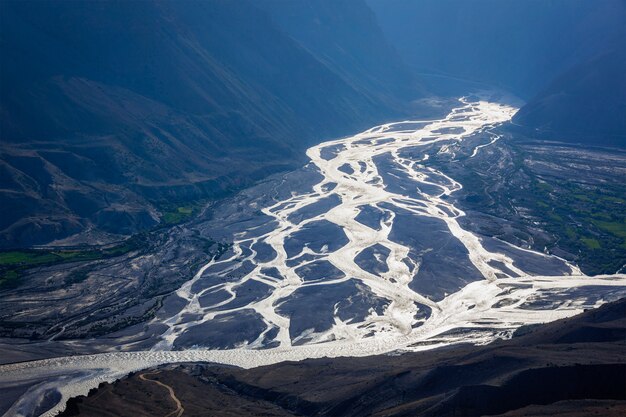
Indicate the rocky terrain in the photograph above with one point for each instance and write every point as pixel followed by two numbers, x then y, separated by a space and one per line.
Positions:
pixel 572 367
pixel 553 197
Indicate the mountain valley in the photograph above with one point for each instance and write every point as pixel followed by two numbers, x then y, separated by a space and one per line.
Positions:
pixel 318 208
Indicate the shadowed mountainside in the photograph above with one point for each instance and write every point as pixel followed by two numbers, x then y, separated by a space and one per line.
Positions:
pixel 572 367
pixel 567 57
pixel 518 45
pixel 362 58
pixel 109 108
pixel 586 104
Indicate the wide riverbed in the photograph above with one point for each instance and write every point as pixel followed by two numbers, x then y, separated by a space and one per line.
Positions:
pixel 359 253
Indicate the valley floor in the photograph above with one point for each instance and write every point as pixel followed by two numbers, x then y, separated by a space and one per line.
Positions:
pixel 364 251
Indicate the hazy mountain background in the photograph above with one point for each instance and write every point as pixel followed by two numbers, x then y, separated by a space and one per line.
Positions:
pixel 517 45
pixel 567 58
pixel 110 110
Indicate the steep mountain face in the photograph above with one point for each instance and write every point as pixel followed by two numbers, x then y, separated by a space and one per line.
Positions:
pixel 108 107
pixel 518 45
pixel 345 36
pixel 586 104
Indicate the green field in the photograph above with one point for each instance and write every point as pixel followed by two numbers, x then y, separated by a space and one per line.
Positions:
pixel 616 228
pixel 591 243
pixel 589 221
pixel 173 213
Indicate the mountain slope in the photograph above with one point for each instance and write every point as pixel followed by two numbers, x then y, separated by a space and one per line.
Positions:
pixel 345 36
pixel 586 104
pixel 566 57
pixel 517 45
pixel 108 108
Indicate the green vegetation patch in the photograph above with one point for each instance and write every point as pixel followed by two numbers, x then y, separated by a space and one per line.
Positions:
pixel 176 213
pixel 591 243
pixel 586 219
pixel 14 263
pixel 26 257
pixel 616 228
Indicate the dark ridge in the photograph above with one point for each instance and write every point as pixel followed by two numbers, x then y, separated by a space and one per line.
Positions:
pixel 540 387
